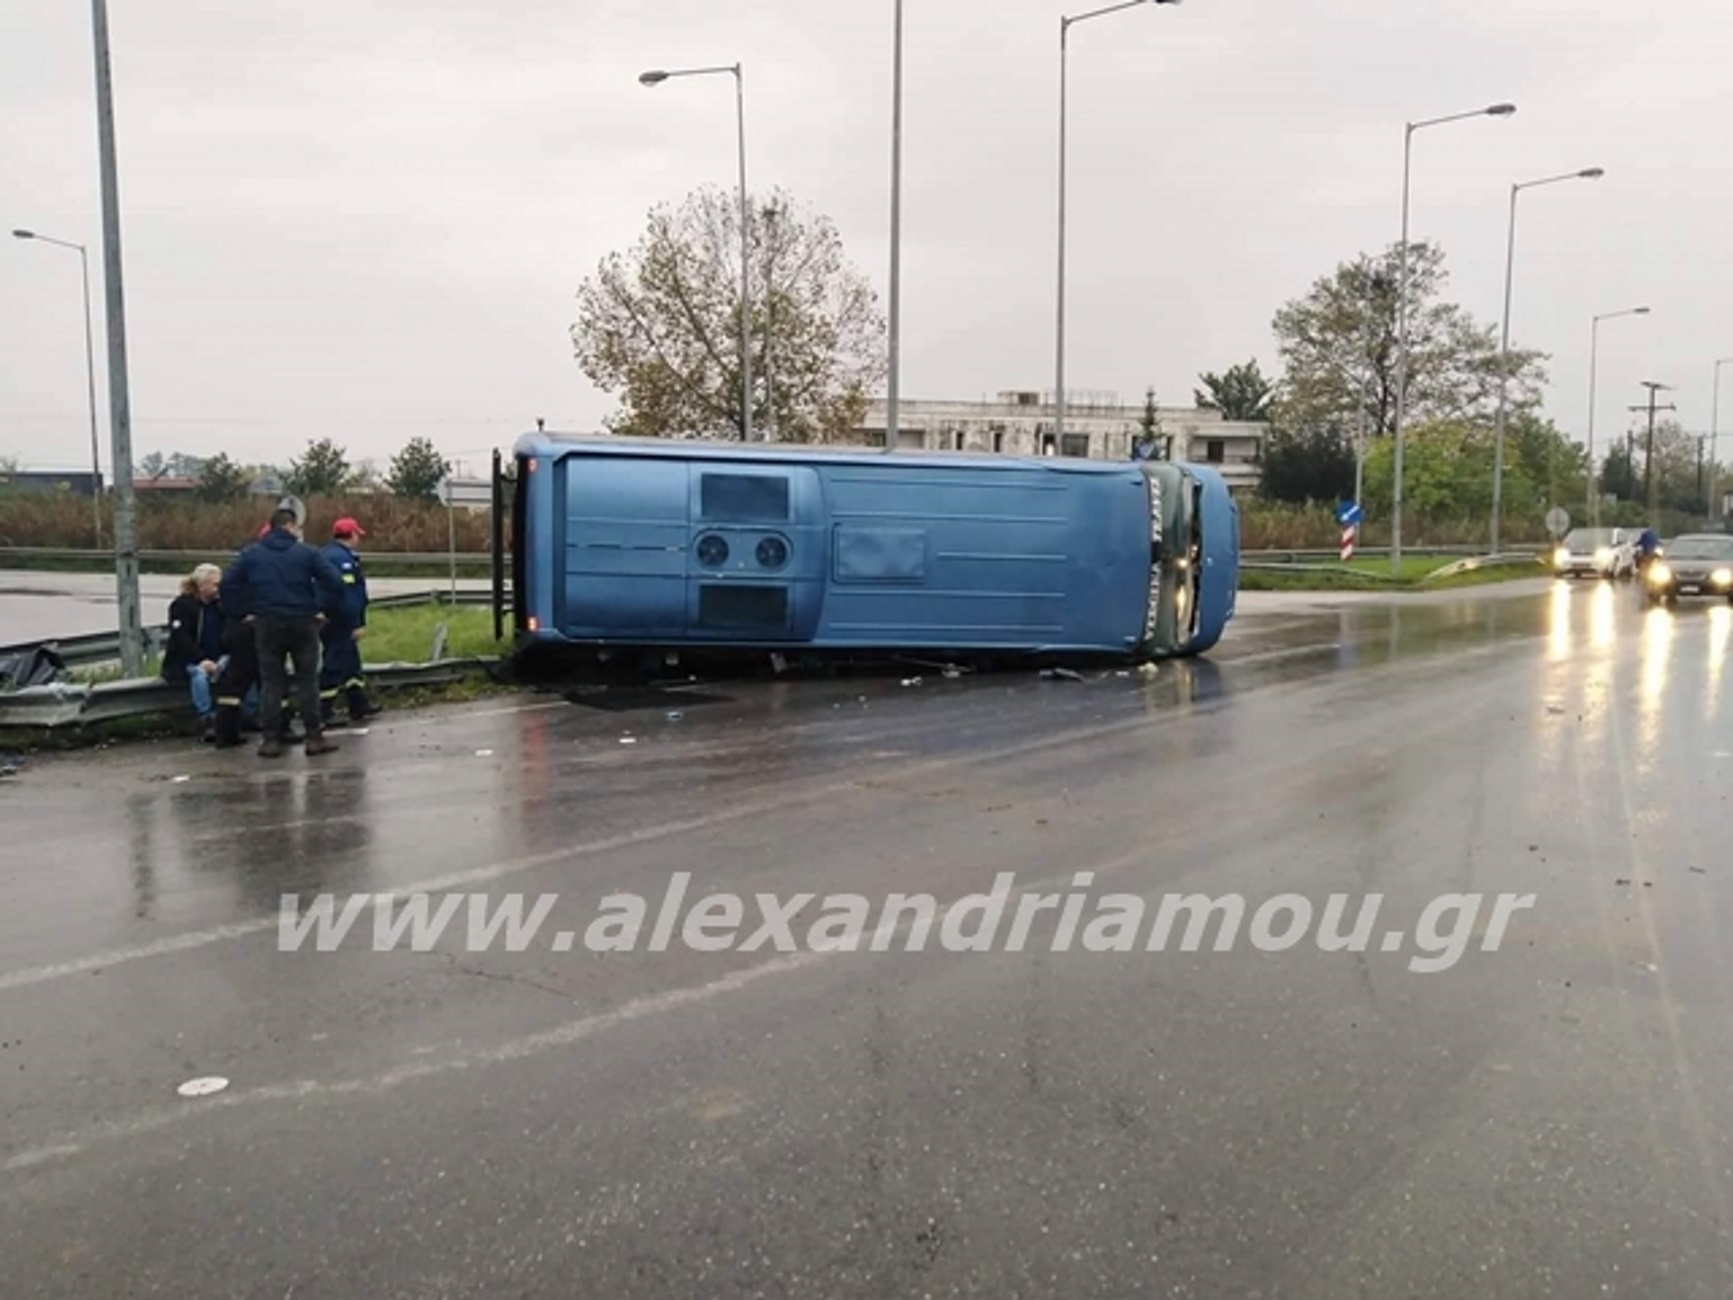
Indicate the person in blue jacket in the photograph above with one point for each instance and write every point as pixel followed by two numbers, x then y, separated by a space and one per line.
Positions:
pixel 340 638
pixel 287 589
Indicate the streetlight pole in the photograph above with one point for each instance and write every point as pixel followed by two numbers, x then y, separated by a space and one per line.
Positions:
pixel 1715 443
pixel 120 413
pixel 1594 502
pixel 1496 110
pixel 892 379
pixel 1065 25
pixel 1588 174
pixel 90 378
pixel 655 78
pixel 1650 483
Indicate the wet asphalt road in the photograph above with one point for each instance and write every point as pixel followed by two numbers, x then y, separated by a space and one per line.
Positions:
pixel 1546 1119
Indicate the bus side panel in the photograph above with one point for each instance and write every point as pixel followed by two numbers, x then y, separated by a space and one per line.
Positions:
pixel 939 556
pixel 756 558
pixel 621 547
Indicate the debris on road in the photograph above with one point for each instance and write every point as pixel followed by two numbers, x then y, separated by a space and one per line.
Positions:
pixel 1060 675
pixel 202 1087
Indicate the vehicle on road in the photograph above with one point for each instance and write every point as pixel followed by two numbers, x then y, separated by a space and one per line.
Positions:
pixel 1596 553
pixel 677 545
pixel 1696 564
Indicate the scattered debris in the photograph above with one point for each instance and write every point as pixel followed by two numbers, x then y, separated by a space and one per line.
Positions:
pixel 1554 708
pixel 952 671
pixel 907 681
pixel 628 740
pixel 484 753
pixel 202 1087
pixel 674 715
pixel 1060 675
pixel 182 777
pixel 1698 871
pixel 1621 881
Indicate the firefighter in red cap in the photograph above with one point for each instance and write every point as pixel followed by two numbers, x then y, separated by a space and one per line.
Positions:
pixel 340 661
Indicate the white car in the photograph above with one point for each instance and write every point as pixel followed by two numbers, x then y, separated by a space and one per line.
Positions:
pixel 1596 553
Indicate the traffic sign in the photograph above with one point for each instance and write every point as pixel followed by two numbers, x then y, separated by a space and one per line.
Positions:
pixel 1558 520
pixel 1349 512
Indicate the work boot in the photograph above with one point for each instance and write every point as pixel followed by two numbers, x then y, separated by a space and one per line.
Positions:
pixel 271 747
pixel 318 744
pixel 360 706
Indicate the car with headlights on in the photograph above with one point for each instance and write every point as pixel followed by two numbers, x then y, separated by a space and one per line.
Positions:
pixel 1696 564
pixel 1596 553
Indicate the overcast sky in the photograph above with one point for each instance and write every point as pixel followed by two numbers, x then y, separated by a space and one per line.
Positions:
pixel 368 218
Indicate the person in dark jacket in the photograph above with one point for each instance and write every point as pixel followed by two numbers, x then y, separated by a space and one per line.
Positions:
pixel 195 656
pixel 340 637
pixel 287 589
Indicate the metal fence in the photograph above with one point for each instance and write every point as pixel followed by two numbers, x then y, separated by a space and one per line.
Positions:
pixel 78 704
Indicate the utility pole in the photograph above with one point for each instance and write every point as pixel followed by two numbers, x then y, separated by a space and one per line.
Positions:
pixel 1650 486
pixel 120 415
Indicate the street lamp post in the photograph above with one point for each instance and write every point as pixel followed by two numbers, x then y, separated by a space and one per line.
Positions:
pixel 1496 110
pixel 90 378
pixel 1587 174
pixel 131 619
pixel 1065 25
pixel 895 333
pixel 656 77
pixel 1715 442
pixel 1594 502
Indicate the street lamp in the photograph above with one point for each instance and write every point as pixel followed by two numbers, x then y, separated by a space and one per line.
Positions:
pixel 1065 25
pixel 895 334
pixel 1715 441
pixel 90 375
pixel 1496 110
pixel 656 77
pixel 1587 174
pixel 1594 501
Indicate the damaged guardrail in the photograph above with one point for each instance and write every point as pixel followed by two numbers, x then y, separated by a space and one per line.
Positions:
pixel 78 704
pixel 104 647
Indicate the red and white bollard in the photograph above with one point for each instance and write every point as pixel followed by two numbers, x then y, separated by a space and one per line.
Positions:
pixel 1348 532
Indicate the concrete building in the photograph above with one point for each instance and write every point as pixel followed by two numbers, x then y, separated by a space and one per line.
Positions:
pixel 1097 425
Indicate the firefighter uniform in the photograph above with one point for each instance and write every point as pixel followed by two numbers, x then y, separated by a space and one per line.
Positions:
pixel 340 671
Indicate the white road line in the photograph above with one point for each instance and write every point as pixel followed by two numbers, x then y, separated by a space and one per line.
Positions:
pixel 494 871
pixel 564 1035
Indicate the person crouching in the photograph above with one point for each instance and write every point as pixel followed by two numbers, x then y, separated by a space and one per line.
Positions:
pixel 195 657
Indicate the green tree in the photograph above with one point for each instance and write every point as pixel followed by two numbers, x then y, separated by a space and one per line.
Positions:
pixel 416 471
pixel 660 325
pixel 1339 349
pixel 1241 393
pixel 1307 465
pixel 1150 437
pixel 322 470
pixel 220 479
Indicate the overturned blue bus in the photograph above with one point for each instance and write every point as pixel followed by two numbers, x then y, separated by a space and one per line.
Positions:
pixel 619 544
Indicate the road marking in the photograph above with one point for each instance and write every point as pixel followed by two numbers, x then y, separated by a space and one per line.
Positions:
pixel 564 1035
pixel 495 871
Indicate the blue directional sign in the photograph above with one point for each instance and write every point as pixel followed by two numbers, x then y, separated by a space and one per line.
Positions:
pixel 1349 513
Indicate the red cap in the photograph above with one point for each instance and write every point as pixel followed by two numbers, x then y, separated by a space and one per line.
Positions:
pixel 347 527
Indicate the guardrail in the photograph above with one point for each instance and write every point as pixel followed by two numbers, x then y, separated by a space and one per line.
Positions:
pixel 78 704
pixel 104 647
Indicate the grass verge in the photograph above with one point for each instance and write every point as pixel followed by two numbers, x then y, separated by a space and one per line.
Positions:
pixel 1374 575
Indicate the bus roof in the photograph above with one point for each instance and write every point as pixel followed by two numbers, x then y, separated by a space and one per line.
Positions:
pixel 553 445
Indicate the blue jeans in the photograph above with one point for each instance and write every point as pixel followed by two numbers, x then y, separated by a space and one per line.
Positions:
pixel 200 686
